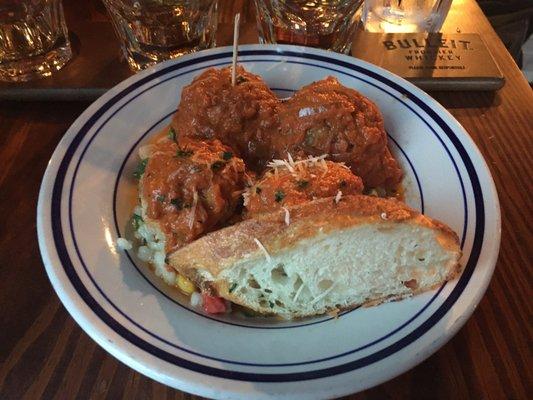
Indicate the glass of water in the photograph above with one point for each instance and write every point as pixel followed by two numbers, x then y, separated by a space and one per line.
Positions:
pixel 328 24
pixel 33 39
pixel 395 16
pixel 156 30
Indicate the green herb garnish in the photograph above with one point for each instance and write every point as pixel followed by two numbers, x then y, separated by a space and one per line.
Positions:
pixel 258 190
pixel 232 287
pixel 271 304
pixel 136 220
pixel 139 171
pixel 302 184
pixel 179 204
pixel 227 155
pixel 182 153
pixel 279 195
pixel 160 198
pixel 240 79
pixel 172 134
pixel 217 165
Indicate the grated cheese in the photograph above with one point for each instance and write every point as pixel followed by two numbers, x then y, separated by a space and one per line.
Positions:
pixel 262 248
pixel 324 294
pixel 196 299
pixel 298 292
pixel 305 112
pixel 287 216
pixel 146 151
pixel 246 197
pixel 343 165
pixel 310 160
pixel 289 157
pixel 124 244
pixel 338 197
pixel 297 167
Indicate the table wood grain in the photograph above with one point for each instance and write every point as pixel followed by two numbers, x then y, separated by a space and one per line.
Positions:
pixel 44 354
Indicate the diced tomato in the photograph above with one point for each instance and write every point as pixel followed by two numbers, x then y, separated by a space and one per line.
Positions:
pixel 213 305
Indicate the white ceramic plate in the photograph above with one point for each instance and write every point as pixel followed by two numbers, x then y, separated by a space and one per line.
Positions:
pixel 88 193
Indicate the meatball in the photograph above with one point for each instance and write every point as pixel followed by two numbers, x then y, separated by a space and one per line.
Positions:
pixel 328 118
pixel 189 189
pixel 290 183
pixel 241 116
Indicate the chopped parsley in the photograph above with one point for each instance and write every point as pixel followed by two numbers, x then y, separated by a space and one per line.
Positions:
pixel 139 171
pixel 182 153
pixel 171 134
pixel 271 304
pixel 136 220
pixel 160 198
pixel 279 195
pixel 179 203
pixel 258 190
pixel 232 287
pixel 217 165
pixel 240 79
pixel 302 184
pixel 227 155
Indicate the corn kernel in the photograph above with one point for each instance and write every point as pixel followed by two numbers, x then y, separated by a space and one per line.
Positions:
pixel 185 285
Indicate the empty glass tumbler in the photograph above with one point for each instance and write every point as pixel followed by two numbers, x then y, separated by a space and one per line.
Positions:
pixel 156 30
pixel 395 16
pixel 33 39
pixel 328 24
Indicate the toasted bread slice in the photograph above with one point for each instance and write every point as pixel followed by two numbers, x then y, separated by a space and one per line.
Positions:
pixel 323 255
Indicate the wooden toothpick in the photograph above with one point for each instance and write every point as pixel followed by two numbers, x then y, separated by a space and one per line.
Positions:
pixel 235 48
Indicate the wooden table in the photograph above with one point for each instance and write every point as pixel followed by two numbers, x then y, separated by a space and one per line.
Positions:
pixel 44 354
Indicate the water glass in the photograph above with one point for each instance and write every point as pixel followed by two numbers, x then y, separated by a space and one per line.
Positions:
pixel 395 16
pixel 151 31
pixel 328 24
pixel 33 39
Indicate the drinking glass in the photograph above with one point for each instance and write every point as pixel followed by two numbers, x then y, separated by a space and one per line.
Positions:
pixel 396 16
pixel 328 24
pixel 156 30
pixel 33 39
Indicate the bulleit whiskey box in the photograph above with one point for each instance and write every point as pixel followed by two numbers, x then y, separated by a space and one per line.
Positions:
pixel 432 61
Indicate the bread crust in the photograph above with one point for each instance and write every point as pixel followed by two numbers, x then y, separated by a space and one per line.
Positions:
pixel 204 259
